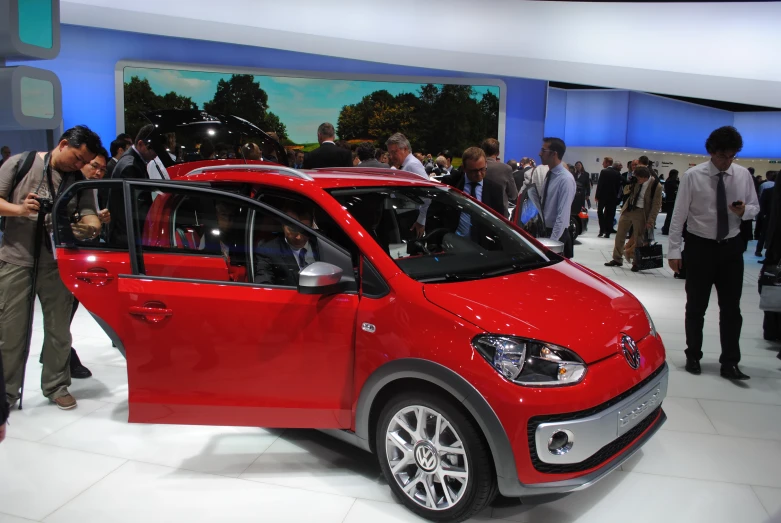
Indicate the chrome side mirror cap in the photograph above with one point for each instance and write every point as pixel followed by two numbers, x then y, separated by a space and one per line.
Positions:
pixel 320 278
pixel 553 245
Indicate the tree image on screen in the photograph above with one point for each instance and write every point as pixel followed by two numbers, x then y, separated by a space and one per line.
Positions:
pixel 434 117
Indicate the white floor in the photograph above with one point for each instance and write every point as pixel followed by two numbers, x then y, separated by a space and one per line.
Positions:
pixel 718 458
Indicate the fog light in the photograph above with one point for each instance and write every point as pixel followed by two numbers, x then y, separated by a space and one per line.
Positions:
pixel 561 442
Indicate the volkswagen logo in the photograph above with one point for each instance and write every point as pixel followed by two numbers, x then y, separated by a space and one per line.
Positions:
pixel 630 351
pixel 426 457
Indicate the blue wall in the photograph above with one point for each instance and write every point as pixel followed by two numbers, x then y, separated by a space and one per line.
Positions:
pixel 761 134
pixel 88 57
pixel 616 118
pixel 596 118
pixel 669 125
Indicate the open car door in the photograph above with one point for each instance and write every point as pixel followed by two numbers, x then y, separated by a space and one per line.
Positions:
pixel 201 347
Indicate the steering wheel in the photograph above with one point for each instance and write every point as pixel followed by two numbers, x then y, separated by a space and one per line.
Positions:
pixel 423 245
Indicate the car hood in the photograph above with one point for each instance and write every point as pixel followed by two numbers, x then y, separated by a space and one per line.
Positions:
pixel 563 304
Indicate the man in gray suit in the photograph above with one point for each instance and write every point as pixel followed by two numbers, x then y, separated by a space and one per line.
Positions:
pixel 365 152
pixel 499 173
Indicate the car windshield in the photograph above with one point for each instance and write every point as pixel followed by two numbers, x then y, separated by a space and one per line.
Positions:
pixel 462 241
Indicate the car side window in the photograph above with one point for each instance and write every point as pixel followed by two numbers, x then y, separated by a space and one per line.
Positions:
pixel 90 199
pixel 285 245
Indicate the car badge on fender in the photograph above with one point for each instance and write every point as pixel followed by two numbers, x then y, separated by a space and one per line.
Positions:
pixel 630 351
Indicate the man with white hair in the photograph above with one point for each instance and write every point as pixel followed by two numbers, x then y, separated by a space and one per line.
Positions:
pixel 401 157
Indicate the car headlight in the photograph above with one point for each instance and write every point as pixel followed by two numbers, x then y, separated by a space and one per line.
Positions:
pixel 530 362
pixel 650 321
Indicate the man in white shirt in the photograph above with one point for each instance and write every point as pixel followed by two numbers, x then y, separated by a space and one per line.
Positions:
pixel 713 198
pixel 400 156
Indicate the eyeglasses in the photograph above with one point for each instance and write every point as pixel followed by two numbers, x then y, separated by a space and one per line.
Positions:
pixel 98 167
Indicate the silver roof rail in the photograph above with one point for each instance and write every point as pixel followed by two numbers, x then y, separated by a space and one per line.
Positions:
pixel 253 167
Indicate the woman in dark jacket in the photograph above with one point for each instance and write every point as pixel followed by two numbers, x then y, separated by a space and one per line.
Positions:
pixel 583 180
pixel 670 193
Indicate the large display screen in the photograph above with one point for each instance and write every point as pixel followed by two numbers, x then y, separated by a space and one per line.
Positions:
pixel 433 116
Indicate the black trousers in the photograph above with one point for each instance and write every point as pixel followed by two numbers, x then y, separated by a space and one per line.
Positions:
pixel 606 213
pixel 710 263
pixel 566 239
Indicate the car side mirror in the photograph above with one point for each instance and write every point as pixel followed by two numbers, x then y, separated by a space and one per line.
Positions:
pixel 553 245
pixel 320 278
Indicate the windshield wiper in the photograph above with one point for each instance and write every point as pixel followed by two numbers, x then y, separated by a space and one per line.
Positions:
pixel 467 276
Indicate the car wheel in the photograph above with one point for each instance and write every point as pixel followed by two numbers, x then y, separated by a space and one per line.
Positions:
pixel 434 458
pixel 573 228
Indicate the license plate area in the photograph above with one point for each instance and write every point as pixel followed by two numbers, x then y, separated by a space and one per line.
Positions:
pixel 636 412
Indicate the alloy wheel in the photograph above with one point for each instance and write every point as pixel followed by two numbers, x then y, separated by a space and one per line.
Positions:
pixel 427 457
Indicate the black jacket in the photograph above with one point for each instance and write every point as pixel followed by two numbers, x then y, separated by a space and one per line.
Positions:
pixel 608 185
pixel 130 165
pixel 276 265
pixel 328 155
pixel 519 176
pixel 583 180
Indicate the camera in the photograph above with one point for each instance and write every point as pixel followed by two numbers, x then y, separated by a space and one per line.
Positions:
pixel 46 205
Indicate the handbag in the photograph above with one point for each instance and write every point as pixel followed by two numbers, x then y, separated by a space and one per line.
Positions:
pixel 649 255
pixel 770 289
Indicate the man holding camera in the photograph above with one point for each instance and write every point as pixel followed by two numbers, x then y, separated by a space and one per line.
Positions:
pixel 22 198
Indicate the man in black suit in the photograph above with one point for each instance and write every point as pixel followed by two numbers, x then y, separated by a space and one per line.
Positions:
pixel 133 164
pixel 499 173
pixel 328 154
pixel 608 189
pixel 279 261
pixel 365 153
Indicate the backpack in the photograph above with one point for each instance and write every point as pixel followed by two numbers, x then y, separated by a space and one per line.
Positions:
pixel 21 171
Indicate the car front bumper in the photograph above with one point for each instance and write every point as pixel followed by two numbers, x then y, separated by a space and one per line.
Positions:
pixel 602 440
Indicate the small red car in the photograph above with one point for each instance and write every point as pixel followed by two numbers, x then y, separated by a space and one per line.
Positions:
pixel 259 295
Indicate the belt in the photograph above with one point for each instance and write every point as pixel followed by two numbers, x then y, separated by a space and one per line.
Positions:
pixel 690 236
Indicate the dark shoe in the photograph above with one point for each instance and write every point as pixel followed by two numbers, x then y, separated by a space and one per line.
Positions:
pixel 732 372
pixel 78 371
pixel 600 235
pixel 693 367
pixel 762 261
pixel 607 236
pixel 678 276
pixel 758 254
pixel 778 355
pixel 635 268
pixel 613 231
pixel 613 263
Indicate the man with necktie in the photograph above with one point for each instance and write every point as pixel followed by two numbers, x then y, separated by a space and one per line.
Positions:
pixel 713 198
pixel 558 191
pixel 279 261
pixel 475 184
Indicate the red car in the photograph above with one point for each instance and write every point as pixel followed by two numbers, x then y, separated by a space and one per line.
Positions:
pixel 452 357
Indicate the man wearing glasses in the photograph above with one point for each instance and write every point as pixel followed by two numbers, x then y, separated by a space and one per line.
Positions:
pixel 713 198
pixel 558 191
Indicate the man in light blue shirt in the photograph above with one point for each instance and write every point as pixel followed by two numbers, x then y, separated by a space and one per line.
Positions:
pixel 558 192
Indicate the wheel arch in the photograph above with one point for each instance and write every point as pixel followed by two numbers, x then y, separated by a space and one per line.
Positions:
pixel 385 379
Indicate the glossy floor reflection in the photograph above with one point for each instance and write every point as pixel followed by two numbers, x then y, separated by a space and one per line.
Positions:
pixel 718 459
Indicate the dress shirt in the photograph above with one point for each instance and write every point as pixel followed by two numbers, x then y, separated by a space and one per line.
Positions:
pixel 695 203
pixel 413 165
pixel 309 256
pixel 465 220
pixel 558 206
pixel 640 203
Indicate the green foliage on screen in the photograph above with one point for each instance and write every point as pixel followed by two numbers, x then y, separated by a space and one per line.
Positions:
pixel 35 23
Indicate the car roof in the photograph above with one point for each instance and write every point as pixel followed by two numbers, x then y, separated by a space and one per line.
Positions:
pixel 327 178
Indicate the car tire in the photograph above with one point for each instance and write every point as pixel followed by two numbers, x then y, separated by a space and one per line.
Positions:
pixel 573 228
pixel 430 481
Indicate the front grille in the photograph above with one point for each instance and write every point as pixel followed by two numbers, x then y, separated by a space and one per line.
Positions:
pixel 606 452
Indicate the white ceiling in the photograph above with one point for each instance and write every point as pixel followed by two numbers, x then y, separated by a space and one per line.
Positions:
pixel 721 51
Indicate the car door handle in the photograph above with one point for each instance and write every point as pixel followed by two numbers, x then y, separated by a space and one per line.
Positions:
pixel 97 276
pixel 151 314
